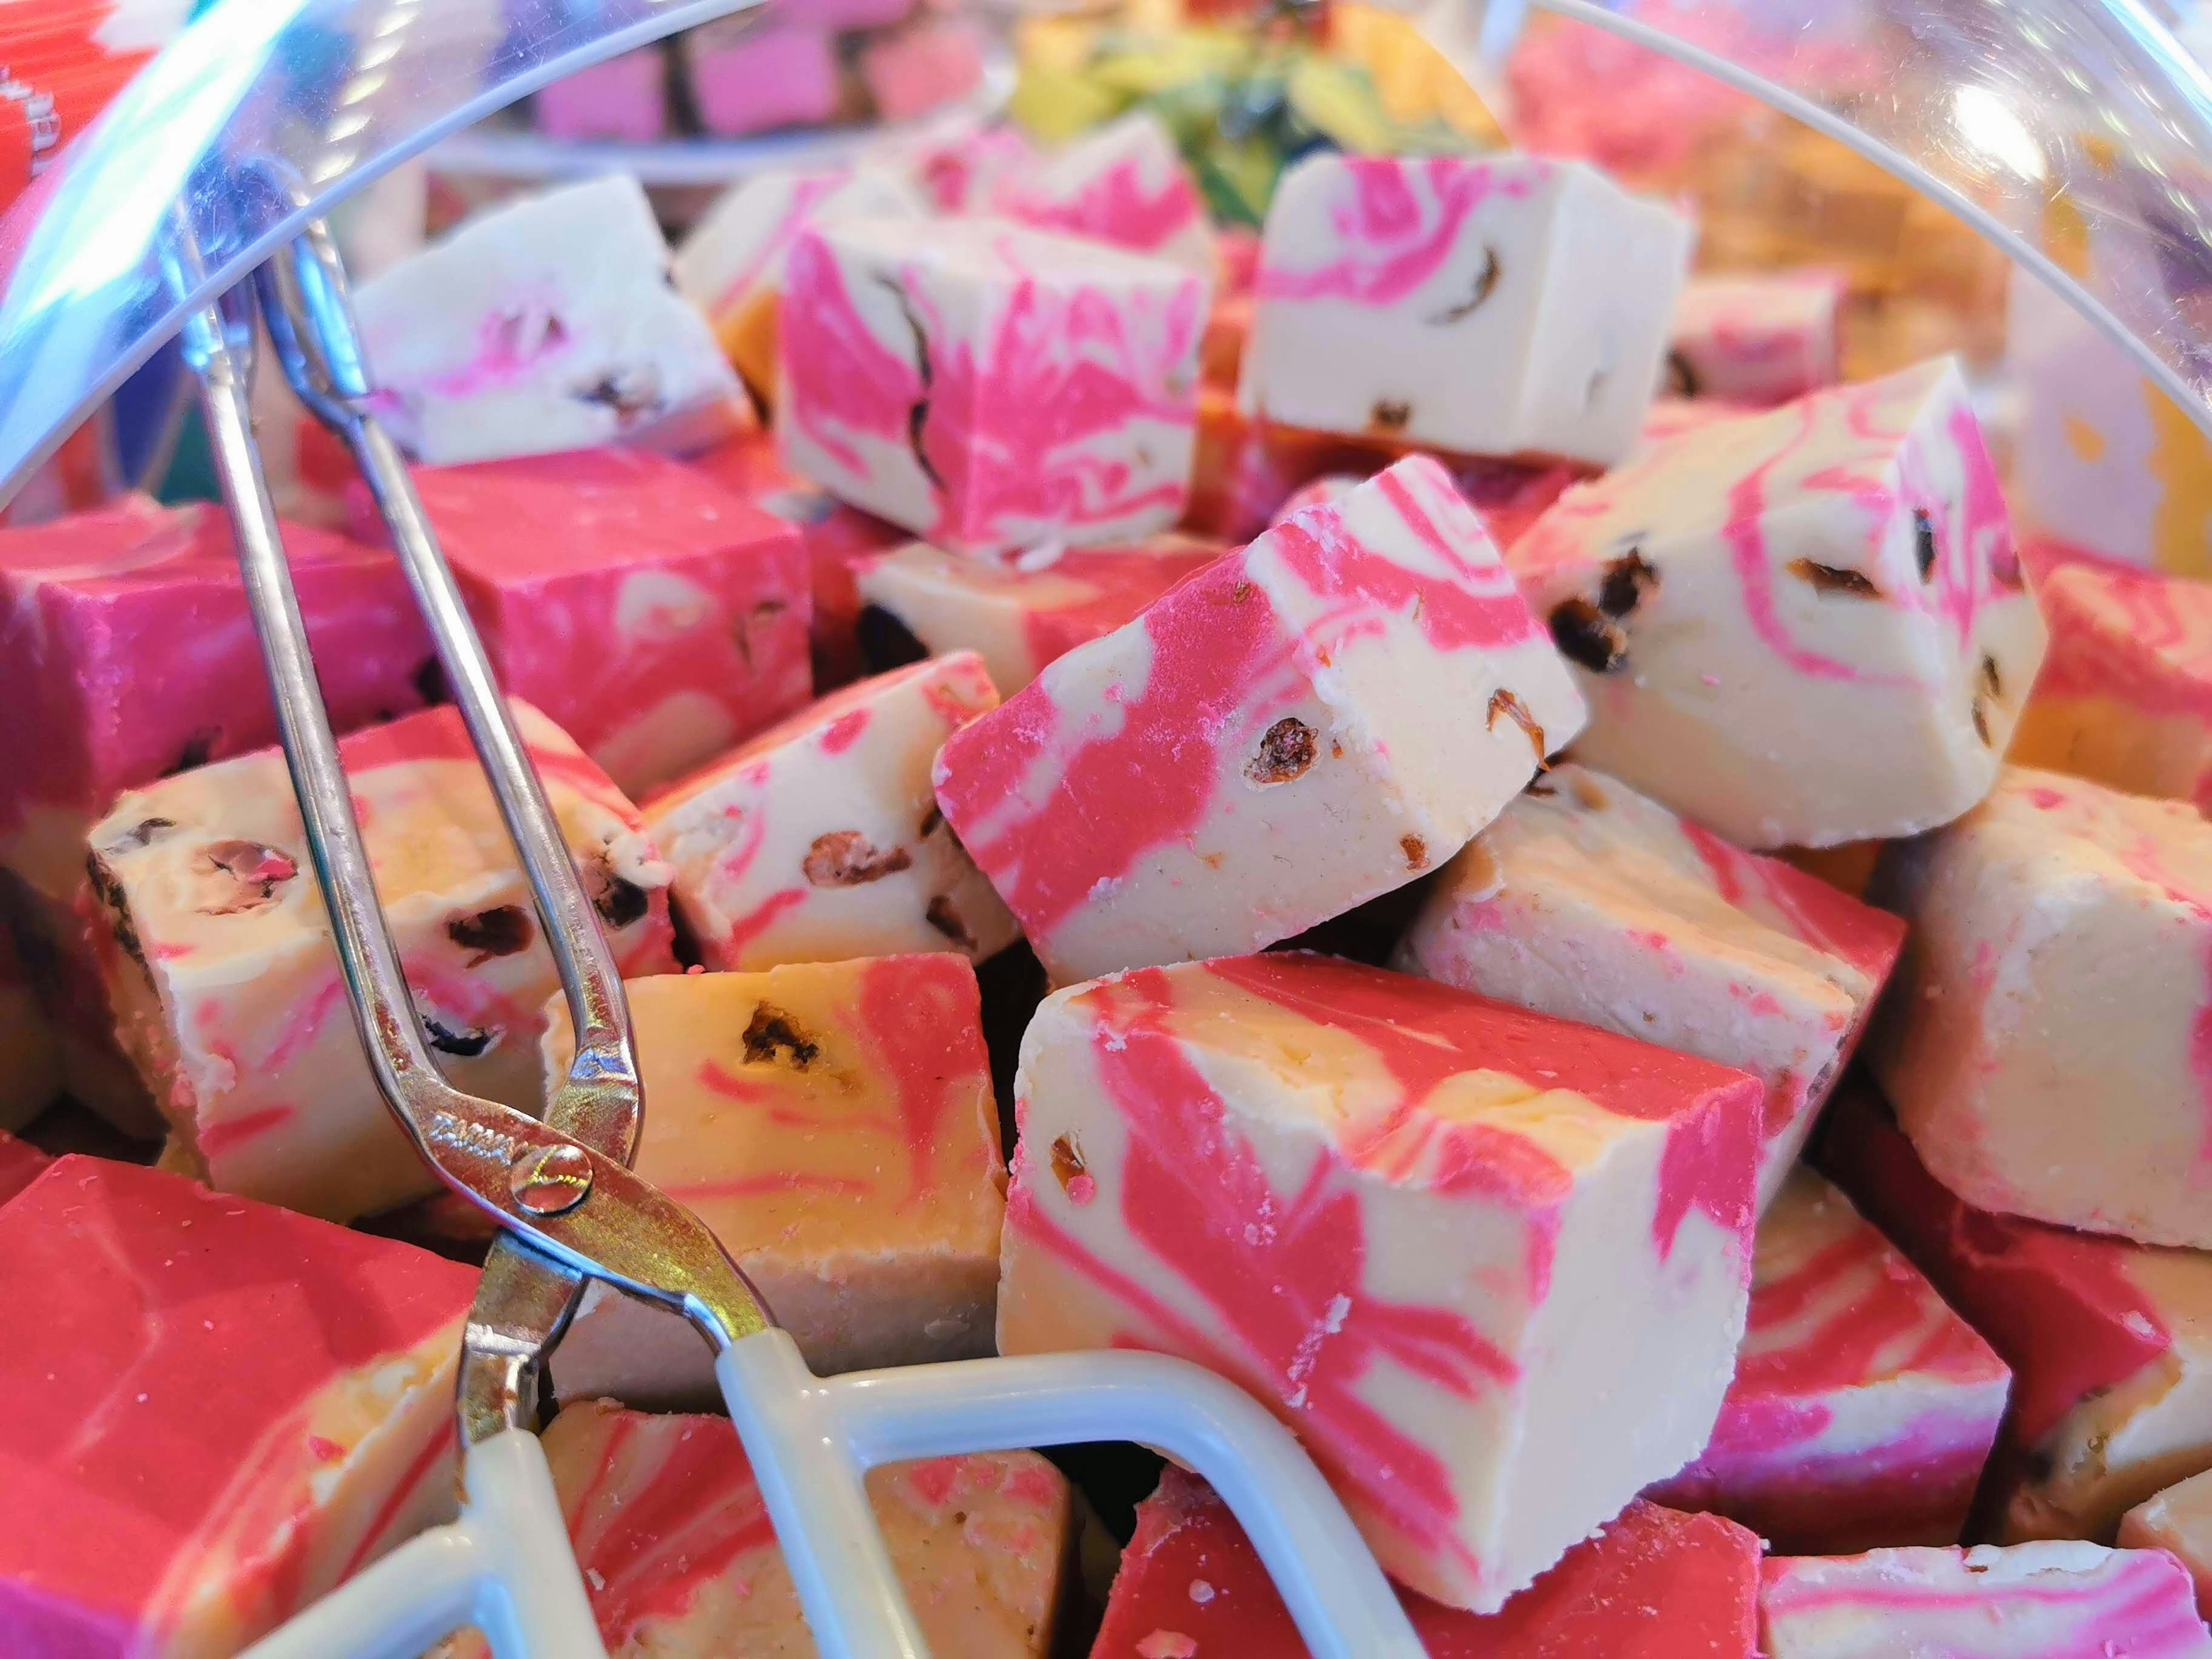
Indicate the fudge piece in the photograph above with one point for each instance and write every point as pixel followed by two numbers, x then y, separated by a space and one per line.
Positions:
pixel 1490 1266
pixel 647 612
pixel 988 386
pixel 1587 901
pixel 624 99
pixel 30 1057
pixel 834 1124
pixel 1019 617
pixel 127 653
pixel 676 1546
pixel 1650 1584
pixel 748 74
pixel 218 961
pixel 213 1411
pixel 1278 737
pixel 1123 183
pixel 921 65
pixel 2048 1601
pixel 1800 628
pixel 2054 976
pixel 2109 1343
pixel 819 840
pixel 2180 1521
pixel 1863 1408
pixel 955 162
pixel 2125 693
pixel 1760 340
pixel 1497 305
pixel 546 323
pixel 730 264
pixel 1507 496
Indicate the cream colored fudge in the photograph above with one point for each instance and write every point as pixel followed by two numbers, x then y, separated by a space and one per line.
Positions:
pixel 546 323
pixel 1588 901
pixel 2109 1343
pixel 979 1543
pixel 1863 1408
pixel 218 959
pixel 731 264
pixel 1020 617
pixel 2180 1521
pixel 212 1412
pixel 2125 693
pixel 2042 1044
pixel 1492 305
pixel 1306 723
pixel 1800 628
pixel 2049 1601
pixel 1490 1266
pixel 834 1124
pixel 819 840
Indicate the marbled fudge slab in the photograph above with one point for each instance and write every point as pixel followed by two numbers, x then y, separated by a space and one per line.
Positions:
pixel 1862 1408
pixel 1758 340
pixel 986 386
pixel 213 1411
pixel 1306 723
pixel 1490 1266
pixel 218 959
pixel 834 1124
pixel 819 840
pixel 1800 628
pixel 1123 183
pixel 2055 982
pixel 1588 901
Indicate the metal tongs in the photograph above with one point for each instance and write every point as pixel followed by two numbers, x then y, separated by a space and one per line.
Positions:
pixel 570 1209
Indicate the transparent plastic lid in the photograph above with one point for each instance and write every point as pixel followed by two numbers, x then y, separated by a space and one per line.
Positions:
pixel 2077 134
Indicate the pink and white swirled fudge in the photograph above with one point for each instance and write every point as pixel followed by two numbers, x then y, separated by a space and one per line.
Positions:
pixel 834 1124
pixel 217 954
pixel 819 839
pixel 1800 628
pixel 988 386
pixel 2048 1601
pixel 1651 1583
pixel 650 615
pixel 730 264
pixel 2180 1521
pixel 2125 693
pixel 1758 340
pixel 1123 183
pixel 127 653
pixel 1587 901
pixel 545 324
pixel 1490 1266
pixel 2109 1343
pixel 1306 723
pixel 213 1411
pixel 1863 1408
pixel 1498 305
pixel 681 1560
pixel 1019 617
pixel 2058 973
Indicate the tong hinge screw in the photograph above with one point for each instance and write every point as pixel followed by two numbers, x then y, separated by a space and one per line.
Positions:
pixel 547 1180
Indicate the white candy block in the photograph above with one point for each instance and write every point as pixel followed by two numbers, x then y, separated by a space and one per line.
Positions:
pixel 217 953
pixel 2058 973
pixel 545 324
pixel 1123 183
pixel 1758 340
pixel 819 840
pixel 1800 628
pixel 2030 1602
pixel 1587 901
pixel 1497 305
pixel 1308 721
pixel 2180 1521
pixel 834 1124
pixel 1490 1266
pixel 986 386
pixel 730 264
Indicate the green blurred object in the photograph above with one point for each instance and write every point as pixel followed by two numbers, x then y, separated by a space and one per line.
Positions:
pixel 191 477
